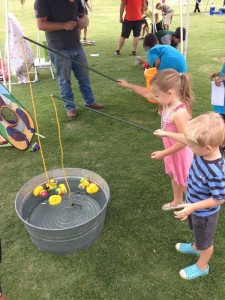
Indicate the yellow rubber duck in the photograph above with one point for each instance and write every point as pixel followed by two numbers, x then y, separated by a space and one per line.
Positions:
pixel 51 185
pixel 38 190
pixel 61 189
pixel 92 188
pixel 54 199
pixel 85 182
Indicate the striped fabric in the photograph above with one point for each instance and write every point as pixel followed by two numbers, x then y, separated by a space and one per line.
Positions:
pixel 206 179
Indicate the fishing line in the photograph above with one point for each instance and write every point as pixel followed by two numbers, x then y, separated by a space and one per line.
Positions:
pixel 95 71
pixel 106 115
pixel 68 58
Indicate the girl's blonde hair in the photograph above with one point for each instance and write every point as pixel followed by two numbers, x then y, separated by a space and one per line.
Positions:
pixel 168 79
pixel 206 129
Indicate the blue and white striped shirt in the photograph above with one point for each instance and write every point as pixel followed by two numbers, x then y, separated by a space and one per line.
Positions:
pixel 206 179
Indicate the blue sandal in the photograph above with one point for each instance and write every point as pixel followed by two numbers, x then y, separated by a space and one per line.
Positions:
pixel 186 248
pixel 193 272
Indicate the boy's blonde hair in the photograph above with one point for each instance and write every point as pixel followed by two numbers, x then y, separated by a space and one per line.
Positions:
pixel 206 129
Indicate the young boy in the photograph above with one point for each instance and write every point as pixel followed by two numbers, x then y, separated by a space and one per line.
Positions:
pixel 167 14
pixel 205 190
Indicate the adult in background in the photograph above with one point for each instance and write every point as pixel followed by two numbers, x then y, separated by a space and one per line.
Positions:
pixel 131 21
pixel 197 9
pixel 86 6
pixel 62 21
pixel 171 38
pixel 167 14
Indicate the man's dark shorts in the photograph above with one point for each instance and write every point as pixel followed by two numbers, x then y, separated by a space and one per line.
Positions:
pixel 128 26
pixel 204 229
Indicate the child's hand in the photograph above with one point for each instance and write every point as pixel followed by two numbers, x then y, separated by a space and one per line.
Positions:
pixel 185 212
pixel 159 133
pixel 213 75
pixel 123 83
pixel 218 82
pixel 157 155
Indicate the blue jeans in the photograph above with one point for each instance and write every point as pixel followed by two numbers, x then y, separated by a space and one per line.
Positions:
pixel 64 68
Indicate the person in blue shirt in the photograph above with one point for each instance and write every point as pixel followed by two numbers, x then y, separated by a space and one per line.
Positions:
pixel 162 56
pixel 219 79
pixel 205 188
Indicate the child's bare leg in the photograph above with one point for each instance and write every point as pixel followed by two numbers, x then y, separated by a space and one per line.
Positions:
pixel 204 257
pixel 178 191
pixel 143 31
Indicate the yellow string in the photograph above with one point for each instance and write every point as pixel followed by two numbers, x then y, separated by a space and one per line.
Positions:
pixel 60 143
pixel 34 108
pixel 36 124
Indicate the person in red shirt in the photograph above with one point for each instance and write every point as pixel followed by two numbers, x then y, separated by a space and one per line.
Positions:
pixel 131 18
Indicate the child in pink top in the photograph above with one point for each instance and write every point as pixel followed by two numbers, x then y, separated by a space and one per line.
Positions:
pixel 173 91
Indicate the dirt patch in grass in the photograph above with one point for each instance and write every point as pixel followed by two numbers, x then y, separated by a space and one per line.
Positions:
pixel 219 59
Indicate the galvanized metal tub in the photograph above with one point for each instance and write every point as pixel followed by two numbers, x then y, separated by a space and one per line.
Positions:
pixel 63 240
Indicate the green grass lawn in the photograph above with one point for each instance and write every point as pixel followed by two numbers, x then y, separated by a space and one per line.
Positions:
pixel 135 257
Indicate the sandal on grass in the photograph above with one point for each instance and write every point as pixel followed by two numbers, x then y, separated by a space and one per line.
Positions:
pixel 186 248
pixel 168 206
pixel 193 272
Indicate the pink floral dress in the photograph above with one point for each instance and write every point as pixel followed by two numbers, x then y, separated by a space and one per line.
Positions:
pixel 177 164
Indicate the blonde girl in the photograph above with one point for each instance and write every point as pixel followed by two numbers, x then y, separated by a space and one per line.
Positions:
pixel 173 91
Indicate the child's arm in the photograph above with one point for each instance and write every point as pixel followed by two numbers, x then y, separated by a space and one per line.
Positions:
pixel 157 63
pixel 188 208
pixel 180 119
pixel 217 80
pixel 146 93
pixel 179 137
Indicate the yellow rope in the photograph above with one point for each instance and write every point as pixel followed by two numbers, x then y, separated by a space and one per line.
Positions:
pixel 60 143
pixel 34 108
pixel 36 124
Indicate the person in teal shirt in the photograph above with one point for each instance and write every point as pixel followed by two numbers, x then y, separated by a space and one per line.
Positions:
pixel 219 79
pixel 162 56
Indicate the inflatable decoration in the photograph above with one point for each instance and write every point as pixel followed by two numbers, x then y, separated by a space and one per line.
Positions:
pixel 18 130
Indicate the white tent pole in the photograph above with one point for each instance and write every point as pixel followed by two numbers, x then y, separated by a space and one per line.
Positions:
pixel 153 18
pixel 187 27
pixel 181 27
pixel 7 43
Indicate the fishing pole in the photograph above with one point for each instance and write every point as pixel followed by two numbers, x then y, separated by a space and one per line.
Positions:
pixel 68 58
pixel 107 115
